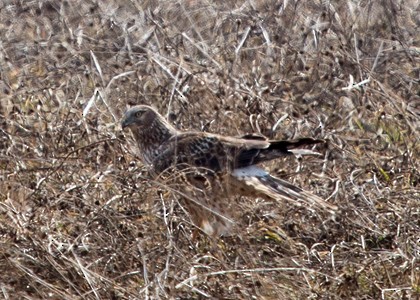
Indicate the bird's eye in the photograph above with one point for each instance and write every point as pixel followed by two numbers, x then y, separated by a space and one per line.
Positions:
pixel 138 114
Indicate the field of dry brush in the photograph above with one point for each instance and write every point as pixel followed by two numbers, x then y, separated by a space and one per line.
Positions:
pixel 80 217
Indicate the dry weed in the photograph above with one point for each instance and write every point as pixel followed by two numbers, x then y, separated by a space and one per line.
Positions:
pixel 81 219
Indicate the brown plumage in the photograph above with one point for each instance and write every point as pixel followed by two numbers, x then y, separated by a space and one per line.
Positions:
pixel 215 167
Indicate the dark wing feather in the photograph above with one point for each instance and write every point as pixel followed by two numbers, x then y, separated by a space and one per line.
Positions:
pixel 220 153
pixel 247 156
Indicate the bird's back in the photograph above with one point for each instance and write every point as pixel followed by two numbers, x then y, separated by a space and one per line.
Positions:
pixel 222 153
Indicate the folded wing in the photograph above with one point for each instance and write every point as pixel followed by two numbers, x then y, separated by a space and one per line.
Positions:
pixel 220 153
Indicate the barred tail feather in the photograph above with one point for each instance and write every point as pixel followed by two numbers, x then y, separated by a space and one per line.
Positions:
pixel 277 188
pixel 287 191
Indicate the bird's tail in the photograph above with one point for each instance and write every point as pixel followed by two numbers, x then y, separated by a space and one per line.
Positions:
pixel 279 188
pixel 275 188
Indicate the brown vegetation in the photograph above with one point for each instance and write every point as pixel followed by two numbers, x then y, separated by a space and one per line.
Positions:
pixel 81 219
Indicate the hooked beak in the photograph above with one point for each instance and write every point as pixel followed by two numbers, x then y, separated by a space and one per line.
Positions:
pixel 125 122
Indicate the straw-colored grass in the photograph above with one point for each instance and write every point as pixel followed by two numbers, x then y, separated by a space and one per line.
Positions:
pixel 80 218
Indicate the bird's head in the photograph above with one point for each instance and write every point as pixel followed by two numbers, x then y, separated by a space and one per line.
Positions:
pixel 140 116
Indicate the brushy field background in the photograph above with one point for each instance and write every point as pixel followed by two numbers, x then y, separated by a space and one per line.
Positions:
pixel 81 219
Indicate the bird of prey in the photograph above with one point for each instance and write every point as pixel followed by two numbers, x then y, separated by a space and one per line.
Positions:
pixel 212 168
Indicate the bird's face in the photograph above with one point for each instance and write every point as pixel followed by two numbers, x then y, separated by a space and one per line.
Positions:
pixel 140 116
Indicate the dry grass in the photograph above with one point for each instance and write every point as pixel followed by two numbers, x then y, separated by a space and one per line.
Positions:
pixel 81 219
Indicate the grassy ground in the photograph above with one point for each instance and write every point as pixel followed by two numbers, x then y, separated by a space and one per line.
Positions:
pixel 81 219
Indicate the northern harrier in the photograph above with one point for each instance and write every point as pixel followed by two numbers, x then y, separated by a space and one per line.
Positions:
pixel 214 167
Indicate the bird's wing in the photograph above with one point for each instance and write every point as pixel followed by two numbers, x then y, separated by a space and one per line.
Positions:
pixel 220 153
pixel 251 149
pixel 191 149
pixel 204 150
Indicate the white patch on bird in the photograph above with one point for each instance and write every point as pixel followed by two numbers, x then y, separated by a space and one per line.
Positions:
pixel 207 228
pixel 299 152
pixel 251 171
